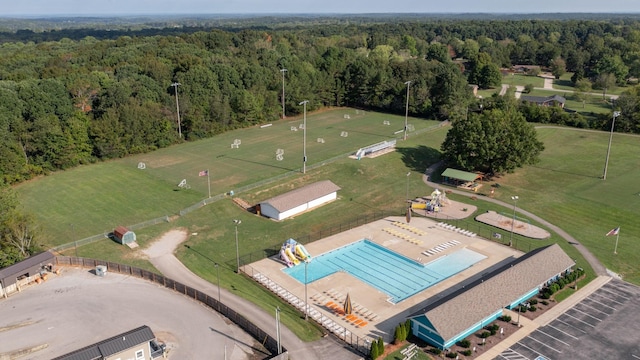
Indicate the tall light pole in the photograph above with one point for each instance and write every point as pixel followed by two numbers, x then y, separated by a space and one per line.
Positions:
pixel 237 222
pixel 175 86
pixel 513 221
pixel 306 307
pixel 409 173
pixel 406 111
pixel 218 272
pixel 606 163
pixel 278 330
pixel 304 137
pixel 283 70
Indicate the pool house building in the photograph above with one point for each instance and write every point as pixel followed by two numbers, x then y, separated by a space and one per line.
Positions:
pixel 472 306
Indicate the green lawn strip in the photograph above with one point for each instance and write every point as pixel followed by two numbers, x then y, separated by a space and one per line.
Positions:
pixel 523 80
pixel 487 93
pixel 592 103
pixel 397 355
pixel 102 196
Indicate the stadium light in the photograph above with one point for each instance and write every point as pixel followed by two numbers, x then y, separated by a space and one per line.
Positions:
pixel 237 222
pixel 283 70
pixel 175 85
pixel 513 221
pixel 606 163
pixel 278 330
pixel 406 111
pixel 304 137
pixel 306 307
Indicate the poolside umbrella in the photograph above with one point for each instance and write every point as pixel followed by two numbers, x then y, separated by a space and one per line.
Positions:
pixel 348 309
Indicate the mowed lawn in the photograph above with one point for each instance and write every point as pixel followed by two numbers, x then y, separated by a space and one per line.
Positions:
pixel 89 200
pixel 566 189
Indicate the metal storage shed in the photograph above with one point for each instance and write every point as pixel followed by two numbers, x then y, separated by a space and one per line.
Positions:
pixel 124 235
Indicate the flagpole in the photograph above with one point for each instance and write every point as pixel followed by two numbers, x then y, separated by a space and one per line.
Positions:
pixel 615 250
pixel 209 183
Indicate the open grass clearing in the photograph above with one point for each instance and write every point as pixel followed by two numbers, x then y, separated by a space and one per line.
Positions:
pixel 591 104
pixel 522 80
pixel 89 200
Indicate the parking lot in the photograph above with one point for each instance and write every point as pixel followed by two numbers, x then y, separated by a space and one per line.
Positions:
pixel 77 308
pixel 604 325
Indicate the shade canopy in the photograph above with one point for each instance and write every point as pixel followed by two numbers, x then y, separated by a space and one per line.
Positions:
pixel 348 309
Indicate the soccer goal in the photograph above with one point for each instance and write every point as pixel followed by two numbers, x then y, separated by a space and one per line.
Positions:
pixel 321 140
pixel 344 134
pixel 142 166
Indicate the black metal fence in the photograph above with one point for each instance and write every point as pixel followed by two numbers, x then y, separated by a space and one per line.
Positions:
pixel 260 335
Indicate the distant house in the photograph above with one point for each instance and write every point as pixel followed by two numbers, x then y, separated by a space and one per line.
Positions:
pixel 447 320
pixel 299 200
pixel 137 344
pixel 26 271
pixel 124 235
pixel 555 100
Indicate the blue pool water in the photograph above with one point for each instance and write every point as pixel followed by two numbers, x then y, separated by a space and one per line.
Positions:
pixel 394 274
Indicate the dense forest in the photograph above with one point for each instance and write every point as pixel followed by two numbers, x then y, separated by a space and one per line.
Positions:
pixel 75 96
pixel 68 102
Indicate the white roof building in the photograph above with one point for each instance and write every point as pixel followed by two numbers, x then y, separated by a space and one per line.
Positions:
pixel 299 200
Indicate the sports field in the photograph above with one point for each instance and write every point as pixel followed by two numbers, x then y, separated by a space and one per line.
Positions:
pixel 89 200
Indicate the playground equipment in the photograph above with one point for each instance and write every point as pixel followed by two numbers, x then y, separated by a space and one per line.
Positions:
pixel 438 200
pixel 292 253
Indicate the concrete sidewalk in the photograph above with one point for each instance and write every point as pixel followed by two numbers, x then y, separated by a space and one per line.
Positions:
pixel 529 326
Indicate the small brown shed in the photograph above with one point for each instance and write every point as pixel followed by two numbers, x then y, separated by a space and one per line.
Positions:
pixel 124 235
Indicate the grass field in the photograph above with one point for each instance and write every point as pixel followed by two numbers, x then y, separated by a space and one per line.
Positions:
pixel 523 80
pixel 563 188
pixel 94 199
pixel 564 83
pixel 592 104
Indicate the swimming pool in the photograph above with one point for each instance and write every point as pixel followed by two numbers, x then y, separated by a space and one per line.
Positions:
pixel 392 273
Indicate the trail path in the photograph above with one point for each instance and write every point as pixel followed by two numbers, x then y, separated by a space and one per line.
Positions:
pixel 591 259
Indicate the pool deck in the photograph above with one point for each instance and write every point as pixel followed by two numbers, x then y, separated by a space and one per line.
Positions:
pixel 370 304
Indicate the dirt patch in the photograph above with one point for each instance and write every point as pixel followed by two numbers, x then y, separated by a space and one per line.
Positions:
pixel 167 243
pixel 506 223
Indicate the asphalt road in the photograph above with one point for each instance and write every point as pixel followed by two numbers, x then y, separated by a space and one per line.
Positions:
pixel 77 308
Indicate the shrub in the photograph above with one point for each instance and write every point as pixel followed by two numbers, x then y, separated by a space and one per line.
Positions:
pixel 380 346
pixel 467 352
pixel 399 334
pixel 464 343
pixel 436 351
pixel 532 308
pixel 485 334
pixel 544 302
pixel 407 329
pixel 506 318
pixel 452 354
pixel 528 88
pixel 494 327
pixel 533 301
pixel 374 354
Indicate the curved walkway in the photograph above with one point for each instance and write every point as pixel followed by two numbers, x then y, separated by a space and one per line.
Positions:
pixel 326 348
pixel 591 259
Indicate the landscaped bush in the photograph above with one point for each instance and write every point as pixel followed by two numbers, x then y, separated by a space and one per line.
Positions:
pixel 485 334
pixel 532 308
pixel 544 302
pixel 533 301
pixel 505 318
pixel 435 351
pixel 467 352
pixel 452 354
pixel 464 343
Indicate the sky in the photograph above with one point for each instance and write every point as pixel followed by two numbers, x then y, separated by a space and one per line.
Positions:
pixel 175 7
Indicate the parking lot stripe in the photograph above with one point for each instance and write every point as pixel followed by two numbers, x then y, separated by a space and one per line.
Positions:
pixel 603 304
pixel 635 356
pixel 564 332
pixel 579 320
pixel 589 315
pixel 523 345
pixel 594 308
pixel 566 323
pixel 544 344
pixel 608 298
pixel 554 338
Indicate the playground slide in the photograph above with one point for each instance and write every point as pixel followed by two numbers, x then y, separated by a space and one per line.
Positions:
pixel 291 257
pixel 419 206
pixel 302 253
pixel 285 258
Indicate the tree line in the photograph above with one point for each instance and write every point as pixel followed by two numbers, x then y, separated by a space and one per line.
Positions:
pixel 68 101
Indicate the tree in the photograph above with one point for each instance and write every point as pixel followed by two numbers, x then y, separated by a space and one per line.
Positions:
pixel 558 67
pixel 490 76
pixel 17 239
pixel 493 142
pixel 605 81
